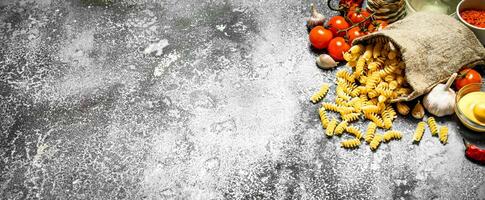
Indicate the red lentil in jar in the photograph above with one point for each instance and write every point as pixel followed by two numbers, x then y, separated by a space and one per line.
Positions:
pixel 474 17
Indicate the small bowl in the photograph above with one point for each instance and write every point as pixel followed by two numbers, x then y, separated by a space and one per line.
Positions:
pixel 472 4
pixel 474 87
pixel 413 6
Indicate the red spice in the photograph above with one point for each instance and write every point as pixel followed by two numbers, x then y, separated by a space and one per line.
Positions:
pixel 474 17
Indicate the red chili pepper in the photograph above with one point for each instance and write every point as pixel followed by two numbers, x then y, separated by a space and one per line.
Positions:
pixel 474 153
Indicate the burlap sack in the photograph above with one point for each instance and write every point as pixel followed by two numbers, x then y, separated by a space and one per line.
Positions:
pixel 433 46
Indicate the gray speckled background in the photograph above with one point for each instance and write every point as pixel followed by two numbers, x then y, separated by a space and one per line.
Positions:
pixel 190 100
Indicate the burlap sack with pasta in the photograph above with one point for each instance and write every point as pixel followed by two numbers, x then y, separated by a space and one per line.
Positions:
pixel 433 46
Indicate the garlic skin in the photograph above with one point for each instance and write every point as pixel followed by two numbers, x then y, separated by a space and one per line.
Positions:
pixel 325 61
pixel 418 111
pixel 441 100
pixel 316 19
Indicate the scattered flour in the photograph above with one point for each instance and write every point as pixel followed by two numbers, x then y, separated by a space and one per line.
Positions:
pixel 156 47
pixel 165 62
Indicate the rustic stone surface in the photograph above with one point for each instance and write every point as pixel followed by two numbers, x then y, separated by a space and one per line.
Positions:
pixel 190 100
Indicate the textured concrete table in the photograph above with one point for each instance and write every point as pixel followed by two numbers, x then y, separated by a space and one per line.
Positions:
pixel 190 100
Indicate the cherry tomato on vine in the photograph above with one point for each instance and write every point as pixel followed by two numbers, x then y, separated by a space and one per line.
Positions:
pixel 465 77
pixel 358 14
pixel 337 23
pixel 320 37
pixel 377 26
pixel 337 47
pixel 354 33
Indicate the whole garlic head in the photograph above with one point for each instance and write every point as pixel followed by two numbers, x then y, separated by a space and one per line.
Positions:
pixel 441 100
pixel 316 19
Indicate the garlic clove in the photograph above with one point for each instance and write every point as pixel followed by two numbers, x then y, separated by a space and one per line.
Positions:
pixel 316 19
pixel 440 101
pixel 325 61
pixel 418 111
pixel 402 108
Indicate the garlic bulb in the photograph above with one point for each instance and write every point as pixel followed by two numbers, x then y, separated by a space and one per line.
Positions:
pixel 441 100
pixel 418 111
pixel 316 19
pixel 325 61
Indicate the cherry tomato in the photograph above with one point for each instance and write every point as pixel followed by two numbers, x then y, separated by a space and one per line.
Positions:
pixel 355 32
pixel 465 77
pixel 320 37
pixel 357 15
pixel 337 47
pixel 377 26
pixel 337 23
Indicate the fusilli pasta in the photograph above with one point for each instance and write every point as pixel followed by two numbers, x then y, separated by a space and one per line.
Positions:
pixel 433 127
pixel 315 98
pixel 354 131
pixel 341 127
pixel 350 144
pixel 323 117
pixel 331 127
pixel 443 134
pixel 418 133
pixel 390 135
pixel 376 141
pixel 370 133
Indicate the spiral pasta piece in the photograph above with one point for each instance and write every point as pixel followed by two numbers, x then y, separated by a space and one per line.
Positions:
pixel 331 127
pixel 443 134
pixel 392 135
pixel 315 98
pixel 418 133
pixel 370 133
pixel 350 144
pixel 392 113
pixel 355 92
pixel 374 66
pixel 349 57
pixel 368 52
pixel 341 102
pixel 357 104
pixel 370 109
pixel 341 127
pixel 330 106
pixel 393 85
pixel 372 93
pixel 433 127
pixel 354 131
pixel 376 141
pixel 359 67
pixel 344 74
pixel 387 123
pixel 372 80
pixel 323 117
pixel 341 94
pixel 385 92
pixel 357 49
pixel 387 70
pixel 374 118
pixel 389 78
pixel 346 110
pixel 351 117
